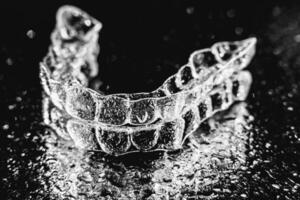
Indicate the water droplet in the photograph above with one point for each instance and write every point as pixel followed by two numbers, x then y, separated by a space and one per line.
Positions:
pixel 276 11
pixel 11 107
pixel 231 13
pixel 276 186
pixel 297 38
pixel 30 34
pixel 239 30
pixel 18 99
pixel 5 127
pixel 9 62
pixel 268 145
pixel 290 108
pixel 190 10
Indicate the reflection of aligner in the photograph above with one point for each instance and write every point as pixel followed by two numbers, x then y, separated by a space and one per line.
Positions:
pixel 199 171
pixel 210 82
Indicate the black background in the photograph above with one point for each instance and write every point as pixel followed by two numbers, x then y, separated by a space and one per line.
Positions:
pixel 142 43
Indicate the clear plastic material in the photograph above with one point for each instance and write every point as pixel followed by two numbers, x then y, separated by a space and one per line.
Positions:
pixel 211 81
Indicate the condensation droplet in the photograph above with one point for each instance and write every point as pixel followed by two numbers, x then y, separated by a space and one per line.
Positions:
pixel 290 108
pixel 238 30
pixel 18 99
pixel 276 11
pixel 5 127
pixel 297 38
pixel 9 62
pixel 231 13
pixel 268 145
pixel 11 107
pixel 30 34
pixel 190 10
pixel 276 186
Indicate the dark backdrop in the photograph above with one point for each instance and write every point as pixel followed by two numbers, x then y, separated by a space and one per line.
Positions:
pixel 142 43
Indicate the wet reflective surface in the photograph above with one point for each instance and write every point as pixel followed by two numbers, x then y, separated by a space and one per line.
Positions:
pixel 253 156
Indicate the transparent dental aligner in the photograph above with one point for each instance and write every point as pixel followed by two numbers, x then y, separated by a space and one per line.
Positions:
pixel 160 135
pixel 162 119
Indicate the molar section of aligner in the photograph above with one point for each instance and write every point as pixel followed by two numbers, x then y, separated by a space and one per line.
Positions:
pixel 192 97
pixel 247 54
pixel 241 52
pixel 203 61
pixel 170 86
pixel 53 65
pixel 185 76
pixel 74 28
pixel 205 108
pixel 228 97
pixel 81 103
pixel 113 109
pixel 145 138
pixel 75 23
pixel 223 75
pixel 171 135
pixel 217 99
pixel 88 57
pixel 222 96
pixel 89 66
pixel 83 134
pixel 241 83
pixel 76 72
pixel 113 140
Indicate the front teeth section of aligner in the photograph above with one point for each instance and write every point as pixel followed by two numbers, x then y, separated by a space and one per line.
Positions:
pixel 85 104
pixel 162 136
